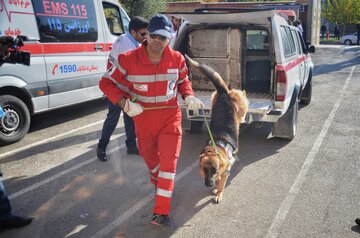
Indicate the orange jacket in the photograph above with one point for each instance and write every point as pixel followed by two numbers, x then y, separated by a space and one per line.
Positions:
pixel 150 84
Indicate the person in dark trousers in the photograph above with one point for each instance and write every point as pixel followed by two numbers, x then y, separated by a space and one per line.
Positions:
pixel 336 33
pixel 358 33
pixel 125 42
pixel 323 31
pixel 7 219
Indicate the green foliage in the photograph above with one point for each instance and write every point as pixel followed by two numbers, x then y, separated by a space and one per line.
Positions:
pixel 252 1
pixel 341 11
pixel 143 8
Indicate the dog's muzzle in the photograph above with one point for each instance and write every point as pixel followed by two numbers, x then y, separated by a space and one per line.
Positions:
pixel 209 183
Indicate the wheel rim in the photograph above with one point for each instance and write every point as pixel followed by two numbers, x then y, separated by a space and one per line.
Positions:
pixel 10 121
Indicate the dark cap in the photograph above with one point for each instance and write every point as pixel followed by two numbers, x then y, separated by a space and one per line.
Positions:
pixel 160 25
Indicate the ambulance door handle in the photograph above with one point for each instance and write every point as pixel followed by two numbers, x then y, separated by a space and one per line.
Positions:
pixel 98 47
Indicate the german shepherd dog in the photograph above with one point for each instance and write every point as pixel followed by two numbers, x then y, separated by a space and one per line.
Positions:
pixel 229 108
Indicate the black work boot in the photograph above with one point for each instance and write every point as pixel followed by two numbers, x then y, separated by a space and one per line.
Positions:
pixel 357 220
pixel 101 154
pixel 158 220
pixel 14 221
pixel 132 151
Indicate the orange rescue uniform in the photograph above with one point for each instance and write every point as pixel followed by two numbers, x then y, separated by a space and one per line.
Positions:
pixel 158 131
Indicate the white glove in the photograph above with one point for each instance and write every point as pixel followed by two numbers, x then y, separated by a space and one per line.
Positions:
pixel 193 103
pixel 132 109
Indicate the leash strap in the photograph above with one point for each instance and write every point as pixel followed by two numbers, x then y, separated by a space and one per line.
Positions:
pixel 227 149
pixel 209 132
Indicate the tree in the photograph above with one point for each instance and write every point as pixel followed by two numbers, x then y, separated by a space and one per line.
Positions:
pixel 143 8
pixel 342 11
pixel 252 1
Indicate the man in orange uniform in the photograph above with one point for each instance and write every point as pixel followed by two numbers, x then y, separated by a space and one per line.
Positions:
pixel 145 82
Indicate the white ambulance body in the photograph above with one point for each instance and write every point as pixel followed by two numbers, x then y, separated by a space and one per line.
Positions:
pixel 69 42
pixel 253 50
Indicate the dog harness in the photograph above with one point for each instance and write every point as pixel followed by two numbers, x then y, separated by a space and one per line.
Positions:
pixel 229 149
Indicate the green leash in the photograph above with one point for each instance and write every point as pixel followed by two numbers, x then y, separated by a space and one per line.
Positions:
pixel 209 132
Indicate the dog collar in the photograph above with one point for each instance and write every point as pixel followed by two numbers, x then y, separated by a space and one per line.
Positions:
pixel 228 149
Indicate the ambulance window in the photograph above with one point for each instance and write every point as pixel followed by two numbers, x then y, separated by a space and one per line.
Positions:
pixel 125 20
pixel 287 41
pixel 257 40
pixel 113 19
pixel 291 41
pixel 301 42
pixel 294 35
pixel 66 20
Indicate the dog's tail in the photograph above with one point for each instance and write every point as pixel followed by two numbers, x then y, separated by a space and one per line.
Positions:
pixel 215 77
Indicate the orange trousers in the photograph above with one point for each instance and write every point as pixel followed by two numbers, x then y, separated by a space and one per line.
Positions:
pixel 159 136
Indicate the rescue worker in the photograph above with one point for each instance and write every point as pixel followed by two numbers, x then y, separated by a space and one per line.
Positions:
pixel 149 79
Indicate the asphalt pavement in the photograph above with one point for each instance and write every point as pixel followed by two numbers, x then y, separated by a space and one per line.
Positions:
pixel 307 187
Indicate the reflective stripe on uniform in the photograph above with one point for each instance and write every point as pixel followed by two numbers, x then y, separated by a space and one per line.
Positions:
pixel 154 170
pixel 118 66
pixel 112 59
pixel 151 78
pixel 182 70
pixel 122 87
pixel 156 99
pixel 166 175
pixel 164 193
pixel 181 81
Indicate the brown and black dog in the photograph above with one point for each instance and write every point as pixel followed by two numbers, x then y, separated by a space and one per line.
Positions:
pixel 229 108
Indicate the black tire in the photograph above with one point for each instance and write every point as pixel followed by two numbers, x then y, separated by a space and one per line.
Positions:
pixel 307 92
pixel 15 122
pixel 195 127
pixel 286 126
pixel 347 42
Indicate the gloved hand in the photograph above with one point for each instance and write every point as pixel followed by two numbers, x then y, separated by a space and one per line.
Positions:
pixel 132 109
pixel 194 103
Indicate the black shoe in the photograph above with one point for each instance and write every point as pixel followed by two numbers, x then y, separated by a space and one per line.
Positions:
pixel 132 151
pixel 15 221
pixel 158 220
pixel 357 221
pixel 101 154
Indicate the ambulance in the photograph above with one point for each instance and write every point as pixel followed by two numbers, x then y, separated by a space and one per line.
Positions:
pixel 253 50
pixel 69 42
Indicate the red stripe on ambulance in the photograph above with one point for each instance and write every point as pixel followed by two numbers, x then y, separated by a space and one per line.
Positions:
pixel 64 48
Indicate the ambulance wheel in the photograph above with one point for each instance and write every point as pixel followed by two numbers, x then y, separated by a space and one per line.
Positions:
pixel 15 121
pixel 195 127
pixel 306 93
pixel 286 126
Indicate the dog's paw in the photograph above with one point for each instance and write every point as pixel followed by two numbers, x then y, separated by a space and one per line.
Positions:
pixel 218 198
pixel 214 191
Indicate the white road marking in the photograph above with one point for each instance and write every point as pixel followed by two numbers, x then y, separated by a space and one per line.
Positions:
pixel 295 188
pixel 120 219
pixel 143 202
pixel 12 152
pixel 58 175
